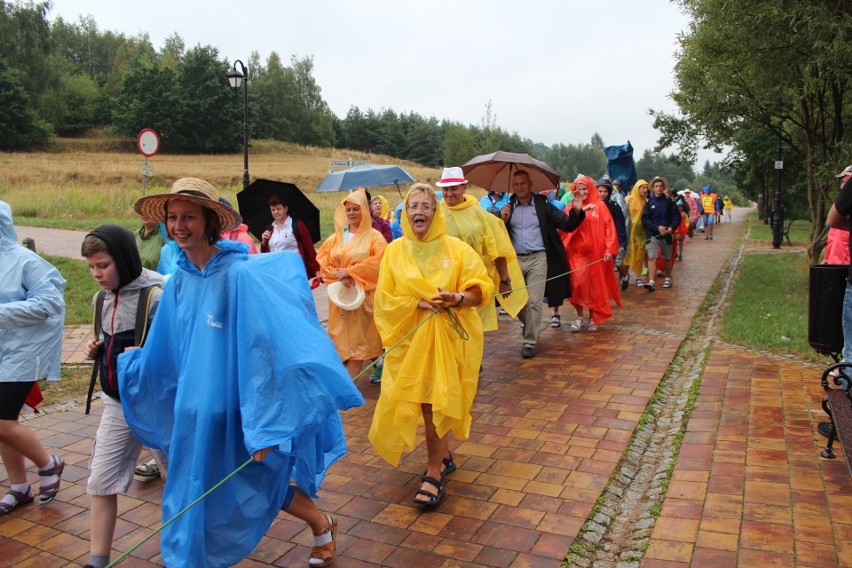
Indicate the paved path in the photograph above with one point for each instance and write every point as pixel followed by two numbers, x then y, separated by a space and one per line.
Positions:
pixel 58 242
pixel 547 434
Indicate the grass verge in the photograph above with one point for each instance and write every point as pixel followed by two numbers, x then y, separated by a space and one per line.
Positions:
pixel 79 290
pixel 768 306
pixel 74 384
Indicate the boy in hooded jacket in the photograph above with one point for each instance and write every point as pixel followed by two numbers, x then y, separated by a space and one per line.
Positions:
pixel 116 266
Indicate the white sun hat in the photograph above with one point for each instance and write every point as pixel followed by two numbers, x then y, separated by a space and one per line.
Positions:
pixel 345 298
pixel 451 176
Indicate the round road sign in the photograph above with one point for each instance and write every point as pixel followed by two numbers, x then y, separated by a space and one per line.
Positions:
pixel 148 142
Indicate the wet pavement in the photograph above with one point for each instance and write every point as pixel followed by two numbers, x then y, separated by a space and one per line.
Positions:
pixel 749 488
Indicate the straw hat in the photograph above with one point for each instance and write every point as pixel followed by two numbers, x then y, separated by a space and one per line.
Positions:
pixel 189 189
pixel 345 298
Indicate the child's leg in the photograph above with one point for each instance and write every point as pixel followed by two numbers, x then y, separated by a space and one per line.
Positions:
pixel 102 524
pixel 303 507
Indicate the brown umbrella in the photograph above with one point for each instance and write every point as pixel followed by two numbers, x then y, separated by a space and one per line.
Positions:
pixel 494 171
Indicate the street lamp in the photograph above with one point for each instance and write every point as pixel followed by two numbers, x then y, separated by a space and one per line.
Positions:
pixel 777 209
pixel 236 78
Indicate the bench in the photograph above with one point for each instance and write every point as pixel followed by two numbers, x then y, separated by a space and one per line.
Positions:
pixel 785 231
pixel 837 404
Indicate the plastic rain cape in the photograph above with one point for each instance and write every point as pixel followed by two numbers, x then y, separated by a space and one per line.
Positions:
pixel 236 361
pixel 32 310
pixel 592 286
pixel 353 332
pixel 635 256
pixel 487 235
pixel 434 364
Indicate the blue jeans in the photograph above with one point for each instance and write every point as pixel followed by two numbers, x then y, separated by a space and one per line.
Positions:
pixel 847 325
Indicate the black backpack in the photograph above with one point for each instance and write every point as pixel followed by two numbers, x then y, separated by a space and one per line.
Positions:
pixel 143 309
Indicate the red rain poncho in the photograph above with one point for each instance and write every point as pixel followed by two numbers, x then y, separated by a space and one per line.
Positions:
pixel 594 285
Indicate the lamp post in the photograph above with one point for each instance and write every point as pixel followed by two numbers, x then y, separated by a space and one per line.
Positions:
pixel 236 77
pixel 777 212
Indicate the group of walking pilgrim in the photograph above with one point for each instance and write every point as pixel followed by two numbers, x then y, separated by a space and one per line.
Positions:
pixel 238 377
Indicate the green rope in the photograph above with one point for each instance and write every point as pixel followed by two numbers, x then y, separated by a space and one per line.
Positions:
pixel 173 519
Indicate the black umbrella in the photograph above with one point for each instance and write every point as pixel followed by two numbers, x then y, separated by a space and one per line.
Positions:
pixel 254 207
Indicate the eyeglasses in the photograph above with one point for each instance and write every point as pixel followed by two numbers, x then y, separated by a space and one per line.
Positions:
pixel 424 207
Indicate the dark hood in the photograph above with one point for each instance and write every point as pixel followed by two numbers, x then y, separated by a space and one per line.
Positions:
pixel 121 245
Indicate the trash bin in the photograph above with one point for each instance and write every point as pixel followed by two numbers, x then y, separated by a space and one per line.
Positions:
pixel 826 288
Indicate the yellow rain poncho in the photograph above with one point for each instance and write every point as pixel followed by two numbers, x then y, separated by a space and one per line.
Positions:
pixel 433 365
pixel 635 256
pixel 354 332
pixel 386 213
pixel 487 235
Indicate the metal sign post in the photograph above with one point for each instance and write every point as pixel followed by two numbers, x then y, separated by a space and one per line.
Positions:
pixel 148 143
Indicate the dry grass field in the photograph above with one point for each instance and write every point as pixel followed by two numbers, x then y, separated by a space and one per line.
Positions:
pixel 81 183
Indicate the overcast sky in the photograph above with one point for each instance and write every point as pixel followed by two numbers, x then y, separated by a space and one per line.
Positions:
pixel 555 71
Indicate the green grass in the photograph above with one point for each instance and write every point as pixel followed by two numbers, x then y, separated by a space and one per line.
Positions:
pixel 770 303
pixel 800 231
pixel 79 290
pixel 75 224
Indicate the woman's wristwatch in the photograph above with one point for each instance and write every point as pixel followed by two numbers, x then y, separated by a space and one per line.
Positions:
pixel 507 281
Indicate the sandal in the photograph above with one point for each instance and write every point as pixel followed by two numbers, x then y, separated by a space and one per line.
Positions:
pixel 667 283
pixel 639 283
pixel 325 553
pixel 555 321
pixel 433 499
pixel 591 326
pixel 20 499
pixel 449 466
pixel 148 469
pixel 577 325
pixel 48 492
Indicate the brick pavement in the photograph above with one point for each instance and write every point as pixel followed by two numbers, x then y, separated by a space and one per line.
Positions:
pixel 547 433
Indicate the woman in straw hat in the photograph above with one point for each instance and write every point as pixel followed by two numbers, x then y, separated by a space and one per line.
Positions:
pixel 223 377
pixel 432 375
pixel 352 256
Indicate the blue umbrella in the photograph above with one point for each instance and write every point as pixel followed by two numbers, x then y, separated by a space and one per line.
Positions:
pixel 367 175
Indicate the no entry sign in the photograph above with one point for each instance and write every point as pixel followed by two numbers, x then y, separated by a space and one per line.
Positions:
pixel 148 142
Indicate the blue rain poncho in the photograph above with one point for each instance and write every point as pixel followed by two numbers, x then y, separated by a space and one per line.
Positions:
pixel 236 361
pixel 32 310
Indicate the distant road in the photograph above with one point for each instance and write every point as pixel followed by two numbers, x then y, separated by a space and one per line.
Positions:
pixel 57 242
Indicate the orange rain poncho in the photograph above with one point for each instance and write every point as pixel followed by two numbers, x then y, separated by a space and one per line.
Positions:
pixel 486 234
pixel 593 286
pixel 635 256
pixel 354 332
pixel 433 365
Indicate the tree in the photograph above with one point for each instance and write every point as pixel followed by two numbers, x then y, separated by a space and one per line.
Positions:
pixel 212 113
pixel 73 107
pixel 25 43
pixel 150 99
pixel 573 159
pixel 777 70
pixel 459 145
pixel 20 126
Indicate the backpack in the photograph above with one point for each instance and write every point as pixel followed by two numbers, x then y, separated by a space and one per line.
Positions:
pixel 143 309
